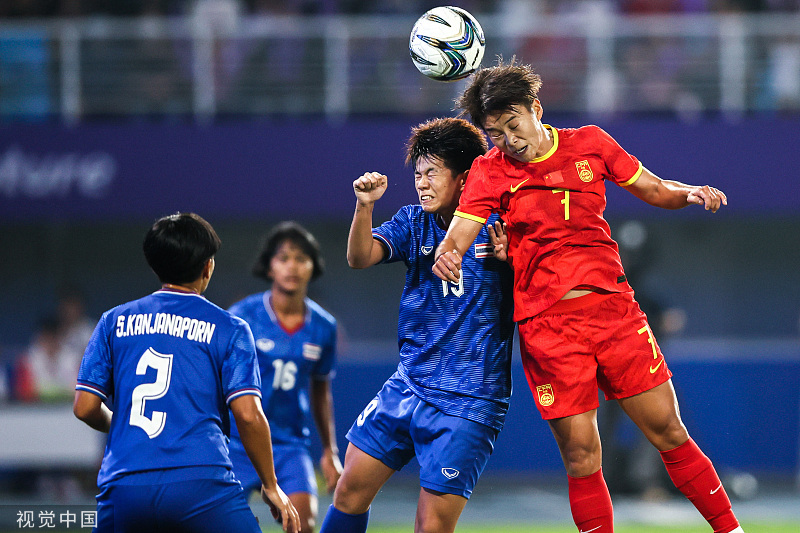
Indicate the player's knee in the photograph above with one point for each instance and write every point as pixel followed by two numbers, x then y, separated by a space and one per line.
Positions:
pixel 349 498
pixel 671 436
pixel 582 460
pixel 433 524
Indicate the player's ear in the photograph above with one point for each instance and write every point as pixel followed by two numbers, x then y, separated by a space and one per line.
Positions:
pixel 462 179
pixel 208 269
pixel 536 108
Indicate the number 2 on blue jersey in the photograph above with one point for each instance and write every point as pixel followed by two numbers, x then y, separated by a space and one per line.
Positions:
pixel 162 363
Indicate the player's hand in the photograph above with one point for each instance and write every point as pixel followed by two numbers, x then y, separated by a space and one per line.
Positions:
pixel 709 197
pixel 370 187
pixel 499 238
pixel 331 468
pixel 448 266
pixel 281 508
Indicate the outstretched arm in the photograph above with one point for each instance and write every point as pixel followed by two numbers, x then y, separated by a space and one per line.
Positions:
pixel 362 249
pixel 675 195
pixel 460 235
pixel 257 440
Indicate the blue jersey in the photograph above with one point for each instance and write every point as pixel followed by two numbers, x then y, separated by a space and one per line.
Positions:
pixel 288 361
pixel 168 365
pixel 455 338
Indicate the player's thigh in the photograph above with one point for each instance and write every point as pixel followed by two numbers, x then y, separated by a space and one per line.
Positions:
pixel 438 511
pixel 656 413
pixel 362 478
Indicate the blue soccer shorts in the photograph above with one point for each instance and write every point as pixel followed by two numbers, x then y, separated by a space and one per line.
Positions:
pixel 293 468
pixel 397 425
pixel 186 506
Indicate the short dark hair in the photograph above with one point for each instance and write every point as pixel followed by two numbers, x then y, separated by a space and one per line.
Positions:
pixel 499 88
pixel 453 140
pixel 298 235
pixel 178 246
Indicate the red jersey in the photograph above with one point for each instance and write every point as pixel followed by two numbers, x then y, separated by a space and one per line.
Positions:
pixel 553 208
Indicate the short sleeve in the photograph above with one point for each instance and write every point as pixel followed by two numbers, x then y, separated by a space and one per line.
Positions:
pixel 240 374
pixel 96 374
pixel 623 168
pixel 477 201
pixel 395 234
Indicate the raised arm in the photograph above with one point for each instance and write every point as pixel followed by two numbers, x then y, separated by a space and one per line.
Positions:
pixel 322 407
pixel 362 249
pixel 257 440
pixel 456 242
pixel 670 194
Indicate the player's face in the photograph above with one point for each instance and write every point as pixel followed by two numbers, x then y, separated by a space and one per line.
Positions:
pixel 518 132
pixel 290 268
pixel 438 187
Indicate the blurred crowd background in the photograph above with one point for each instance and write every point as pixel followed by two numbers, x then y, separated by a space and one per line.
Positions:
pixel 114 113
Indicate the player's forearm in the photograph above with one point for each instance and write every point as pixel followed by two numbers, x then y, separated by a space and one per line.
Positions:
pixel 322 407
pixel 256 436
pixel 460 236
pixel 666 194
pixel 257 441
pixel 359 241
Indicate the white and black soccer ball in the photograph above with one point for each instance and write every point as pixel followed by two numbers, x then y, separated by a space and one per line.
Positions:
pixel 447 43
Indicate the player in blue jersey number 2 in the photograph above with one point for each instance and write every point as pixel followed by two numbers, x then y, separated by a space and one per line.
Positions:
pixel 159 375
pixel 449 397
pixel 296 346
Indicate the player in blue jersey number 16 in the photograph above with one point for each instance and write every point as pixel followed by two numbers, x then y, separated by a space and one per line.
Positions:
pixel 158 376
pixel 448 399
pixel 296 347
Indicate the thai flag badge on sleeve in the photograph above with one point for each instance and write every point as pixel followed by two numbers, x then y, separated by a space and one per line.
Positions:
pixel 483 250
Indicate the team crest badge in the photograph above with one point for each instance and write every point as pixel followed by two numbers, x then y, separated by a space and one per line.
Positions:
pixel 584 170
pixel 545 393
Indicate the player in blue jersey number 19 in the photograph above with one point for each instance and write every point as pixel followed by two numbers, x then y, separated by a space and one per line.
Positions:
pixel 158 376
pixel 448 399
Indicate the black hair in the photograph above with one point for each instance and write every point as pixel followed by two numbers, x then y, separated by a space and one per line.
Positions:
pixel 453 140
pixel 298 235
pixel 178 246
pixel 498 89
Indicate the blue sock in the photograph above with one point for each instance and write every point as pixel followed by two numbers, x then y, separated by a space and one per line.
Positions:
pixel 339 522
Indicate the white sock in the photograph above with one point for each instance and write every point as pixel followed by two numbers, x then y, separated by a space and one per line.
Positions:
pixel 738 530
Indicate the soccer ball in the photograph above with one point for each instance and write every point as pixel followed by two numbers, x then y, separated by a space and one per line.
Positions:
pixel 447 43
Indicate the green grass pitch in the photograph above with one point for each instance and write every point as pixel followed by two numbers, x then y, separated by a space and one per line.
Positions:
pixel 622 528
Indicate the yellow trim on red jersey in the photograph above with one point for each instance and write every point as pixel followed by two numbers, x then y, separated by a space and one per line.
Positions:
pixel 552 150
pixel 634 178
pixel 470 217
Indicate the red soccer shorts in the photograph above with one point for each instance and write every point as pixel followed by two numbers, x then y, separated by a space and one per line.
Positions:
pixel 578 345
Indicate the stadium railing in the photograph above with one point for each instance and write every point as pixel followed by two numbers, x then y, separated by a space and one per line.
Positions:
pixel 593 61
